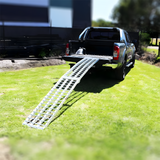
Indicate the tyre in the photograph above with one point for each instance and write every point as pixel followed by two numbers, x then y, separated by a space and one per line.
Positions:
pixel 133 60
pixel 121 72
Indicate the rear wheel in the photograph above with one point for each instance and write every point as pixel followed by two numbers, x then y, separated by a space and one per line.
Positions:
pixel 121 72
pixel 133 62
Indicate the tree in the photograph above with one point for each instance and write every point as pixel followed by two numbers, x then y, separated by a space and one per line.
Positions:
pixel 138 15
pixel 102 23
pixel 145 38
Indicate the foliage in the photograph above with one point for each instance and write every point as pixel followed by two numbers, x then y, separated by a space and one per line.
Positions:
pixel 145 39
pixel 2 55
pixel 138 14
pixel 158 58
pixel 102 119
pixel 43 53
pixel 102 23
pixel 54 51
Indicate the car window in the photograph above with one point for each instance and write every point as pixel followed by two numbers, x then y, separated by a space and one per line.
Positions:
pixel 104 35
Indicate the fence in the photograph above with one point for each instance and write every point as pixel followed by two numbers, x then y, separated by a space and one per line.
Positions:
pixel 18 41
pixel 23 41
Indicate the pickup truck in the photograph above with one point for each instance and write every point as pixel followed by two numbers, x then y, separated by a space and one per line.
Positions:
pixel 112 46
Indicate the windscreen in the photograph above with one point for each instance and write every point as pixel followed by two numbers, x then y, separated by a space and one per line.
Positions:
pixel 104 35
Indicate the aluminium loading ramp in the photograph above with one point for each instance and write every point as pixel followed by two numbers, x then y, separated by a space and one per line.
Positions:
pixel 45 112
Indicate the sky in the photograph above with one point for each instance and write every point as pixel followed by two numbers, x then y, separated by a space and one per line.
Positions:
pixel 103 9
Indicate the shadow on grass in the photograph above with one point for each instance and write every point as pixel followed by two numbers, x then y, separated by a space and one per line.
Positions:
pixel 98 79
pixel 73 98
pixel 93 82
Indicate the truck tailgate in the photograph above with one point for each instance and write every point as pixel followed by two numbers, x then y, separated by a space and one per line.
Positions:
pixel 76 58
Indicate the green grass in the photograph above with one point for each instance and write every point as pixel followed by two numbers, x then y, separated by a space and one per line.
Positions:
pixel 103 119
pixel 153 41
pixel 151 50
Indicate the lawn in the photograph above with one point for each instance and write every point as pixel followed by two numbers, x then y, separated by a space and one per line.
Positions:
pixel 153 41
pixel 103 119
pixel 154 51
pixel 151 50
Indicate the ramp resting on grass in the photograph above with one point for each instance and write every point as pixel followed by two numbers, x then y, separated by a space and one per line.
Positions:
pixel 45 112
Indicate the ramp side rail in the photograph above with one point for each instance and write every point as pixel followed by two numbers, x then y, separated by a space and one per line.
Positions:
pixel 45 112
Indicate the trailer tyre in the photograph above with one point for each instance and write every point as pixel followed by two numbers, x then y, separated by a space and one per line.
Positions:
pixel 121 72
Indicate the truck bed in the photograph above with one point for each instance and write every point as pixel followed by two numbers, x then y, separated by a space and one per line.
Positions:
pixel 76 58
pixel 101 49
pixel 93 47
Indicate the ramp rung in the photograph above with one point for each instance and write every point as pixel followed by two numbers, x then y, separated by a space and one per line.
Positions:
pixel 45 112
pixel 71 78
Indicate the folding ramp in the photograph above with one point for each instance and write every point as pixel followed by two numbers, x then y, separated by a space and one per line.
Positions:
pixel 45 112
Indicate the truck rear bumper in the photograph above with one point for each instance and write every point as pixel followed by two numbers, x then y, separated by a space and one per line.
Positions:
pixel 106 61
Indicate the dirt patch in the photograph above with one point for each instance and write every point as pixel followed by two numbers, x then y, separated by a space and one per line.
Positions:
pixel 17 64
pixel 157 64
pixel 147 57
pixel 4 150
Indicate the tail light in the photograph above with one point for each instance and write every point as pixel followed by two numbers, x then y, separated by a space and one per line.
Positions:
pixel 116 53
pixel 67 49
